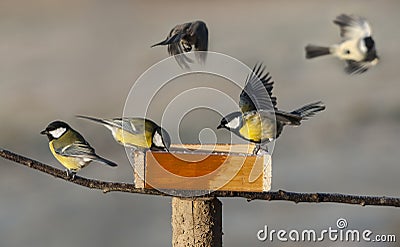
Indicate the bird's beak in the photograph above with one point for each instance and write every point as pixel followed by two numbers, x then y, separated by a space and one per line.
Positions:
pixel 220 126
pixel 376 60
pixel 44 132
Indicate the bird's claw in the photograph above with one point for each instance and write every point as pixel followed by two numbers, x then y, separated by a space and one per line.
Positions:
pixel 70 174
pixel 260 150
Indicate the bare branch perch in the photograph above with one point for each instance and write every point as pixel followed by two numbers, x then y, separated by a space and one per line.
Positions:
pixel 269 196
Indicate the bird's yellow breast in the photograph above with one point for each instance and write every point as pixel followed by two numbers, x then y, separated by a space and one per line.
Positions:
pixel 71 163
pixel 258 128
pixel 142 140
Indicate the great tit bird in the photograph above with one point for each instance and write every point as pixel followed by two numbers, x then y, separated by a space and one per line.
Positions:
pixel 70 148
pixel 357 47
pixel 183 37
pixel 259 120
pixel 139 133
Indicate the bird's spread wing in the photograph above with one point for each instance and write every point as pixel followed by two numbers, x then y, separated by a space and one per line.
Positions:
pixel 257 94
pixel 353 67
pixel 352 26
pixel 199 31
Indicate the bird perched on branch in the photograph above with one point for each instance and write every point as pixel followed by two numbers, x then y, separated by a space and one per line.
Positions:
pixel 139 133
pixel 259 120
pixel 70 148
pixel 357 47
pixel 183 38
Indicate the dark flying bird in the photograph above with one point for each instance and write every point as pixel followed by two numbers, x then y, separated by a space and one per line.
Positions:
pixel 357 47
pixel 70 148
pixel 183 38
pixel 259 120
pixel 138 133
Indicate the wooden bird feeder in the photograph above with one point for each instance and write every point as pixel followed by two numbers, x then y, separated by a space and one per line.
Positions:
pixel 204 168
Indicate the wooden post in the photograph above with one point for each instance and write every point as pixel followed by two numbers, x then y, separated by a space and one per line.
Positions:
pixel 196 222
pixel 196 169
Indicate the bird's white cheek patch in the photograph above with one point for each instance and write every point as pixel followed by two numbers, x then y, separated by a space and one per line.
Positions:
pixel 234 123
pixel 133 127
pixel 157 140
pixel 57 132
pixel 363 47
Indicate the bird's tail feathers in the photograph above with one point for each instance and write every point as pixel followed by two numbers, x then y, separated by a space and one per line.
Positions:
pixel 105 161
pixel 309 110
pixel 287 118
pixel 173 39
pixel 96 120
pixel 317 51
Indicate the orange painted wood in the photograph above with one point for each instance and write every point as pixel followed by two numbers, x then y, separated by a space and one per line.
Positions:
pixel 200 170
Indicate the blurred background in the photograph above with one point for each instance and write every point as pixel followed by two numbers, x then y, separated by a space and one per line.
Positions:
pixel 62 58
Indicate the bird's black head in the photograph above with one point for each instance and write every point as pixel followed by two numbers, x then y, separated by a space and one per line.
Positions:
pixel 369 43
pixel 55 130
pixel 232 121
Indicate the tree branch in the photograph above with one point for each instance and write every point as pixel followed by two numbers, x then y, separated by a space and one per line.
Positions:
pixel 269 196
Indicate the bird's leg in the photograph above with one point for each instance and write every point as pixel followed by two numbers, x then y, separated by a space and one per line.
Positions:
pixel 263 149
pixel 256 149
pixel 70 174
pixel 260 148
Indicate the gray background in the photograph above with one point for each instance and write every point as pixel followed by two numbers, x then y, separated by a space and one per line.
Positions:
pixel 61 58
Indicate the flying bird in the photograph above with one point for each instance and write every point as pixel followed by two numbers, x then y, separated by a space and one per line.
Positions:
pixel 357 47
pixel 185 38
pixel 259 120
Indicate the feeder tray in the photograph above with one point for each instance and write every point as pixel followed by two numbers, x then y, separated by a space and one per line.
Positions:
pixel 203 167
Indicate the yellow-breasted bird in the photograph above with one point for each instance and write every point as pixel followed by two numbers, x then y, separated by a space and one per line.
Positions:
pixel 136 132
pixel 70 148
pixel 259 120
pixel 357 47
pixel 183 37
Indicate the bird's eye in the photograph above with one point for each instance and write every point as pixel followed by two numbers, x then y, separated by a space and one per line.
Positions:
pixel 347 52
